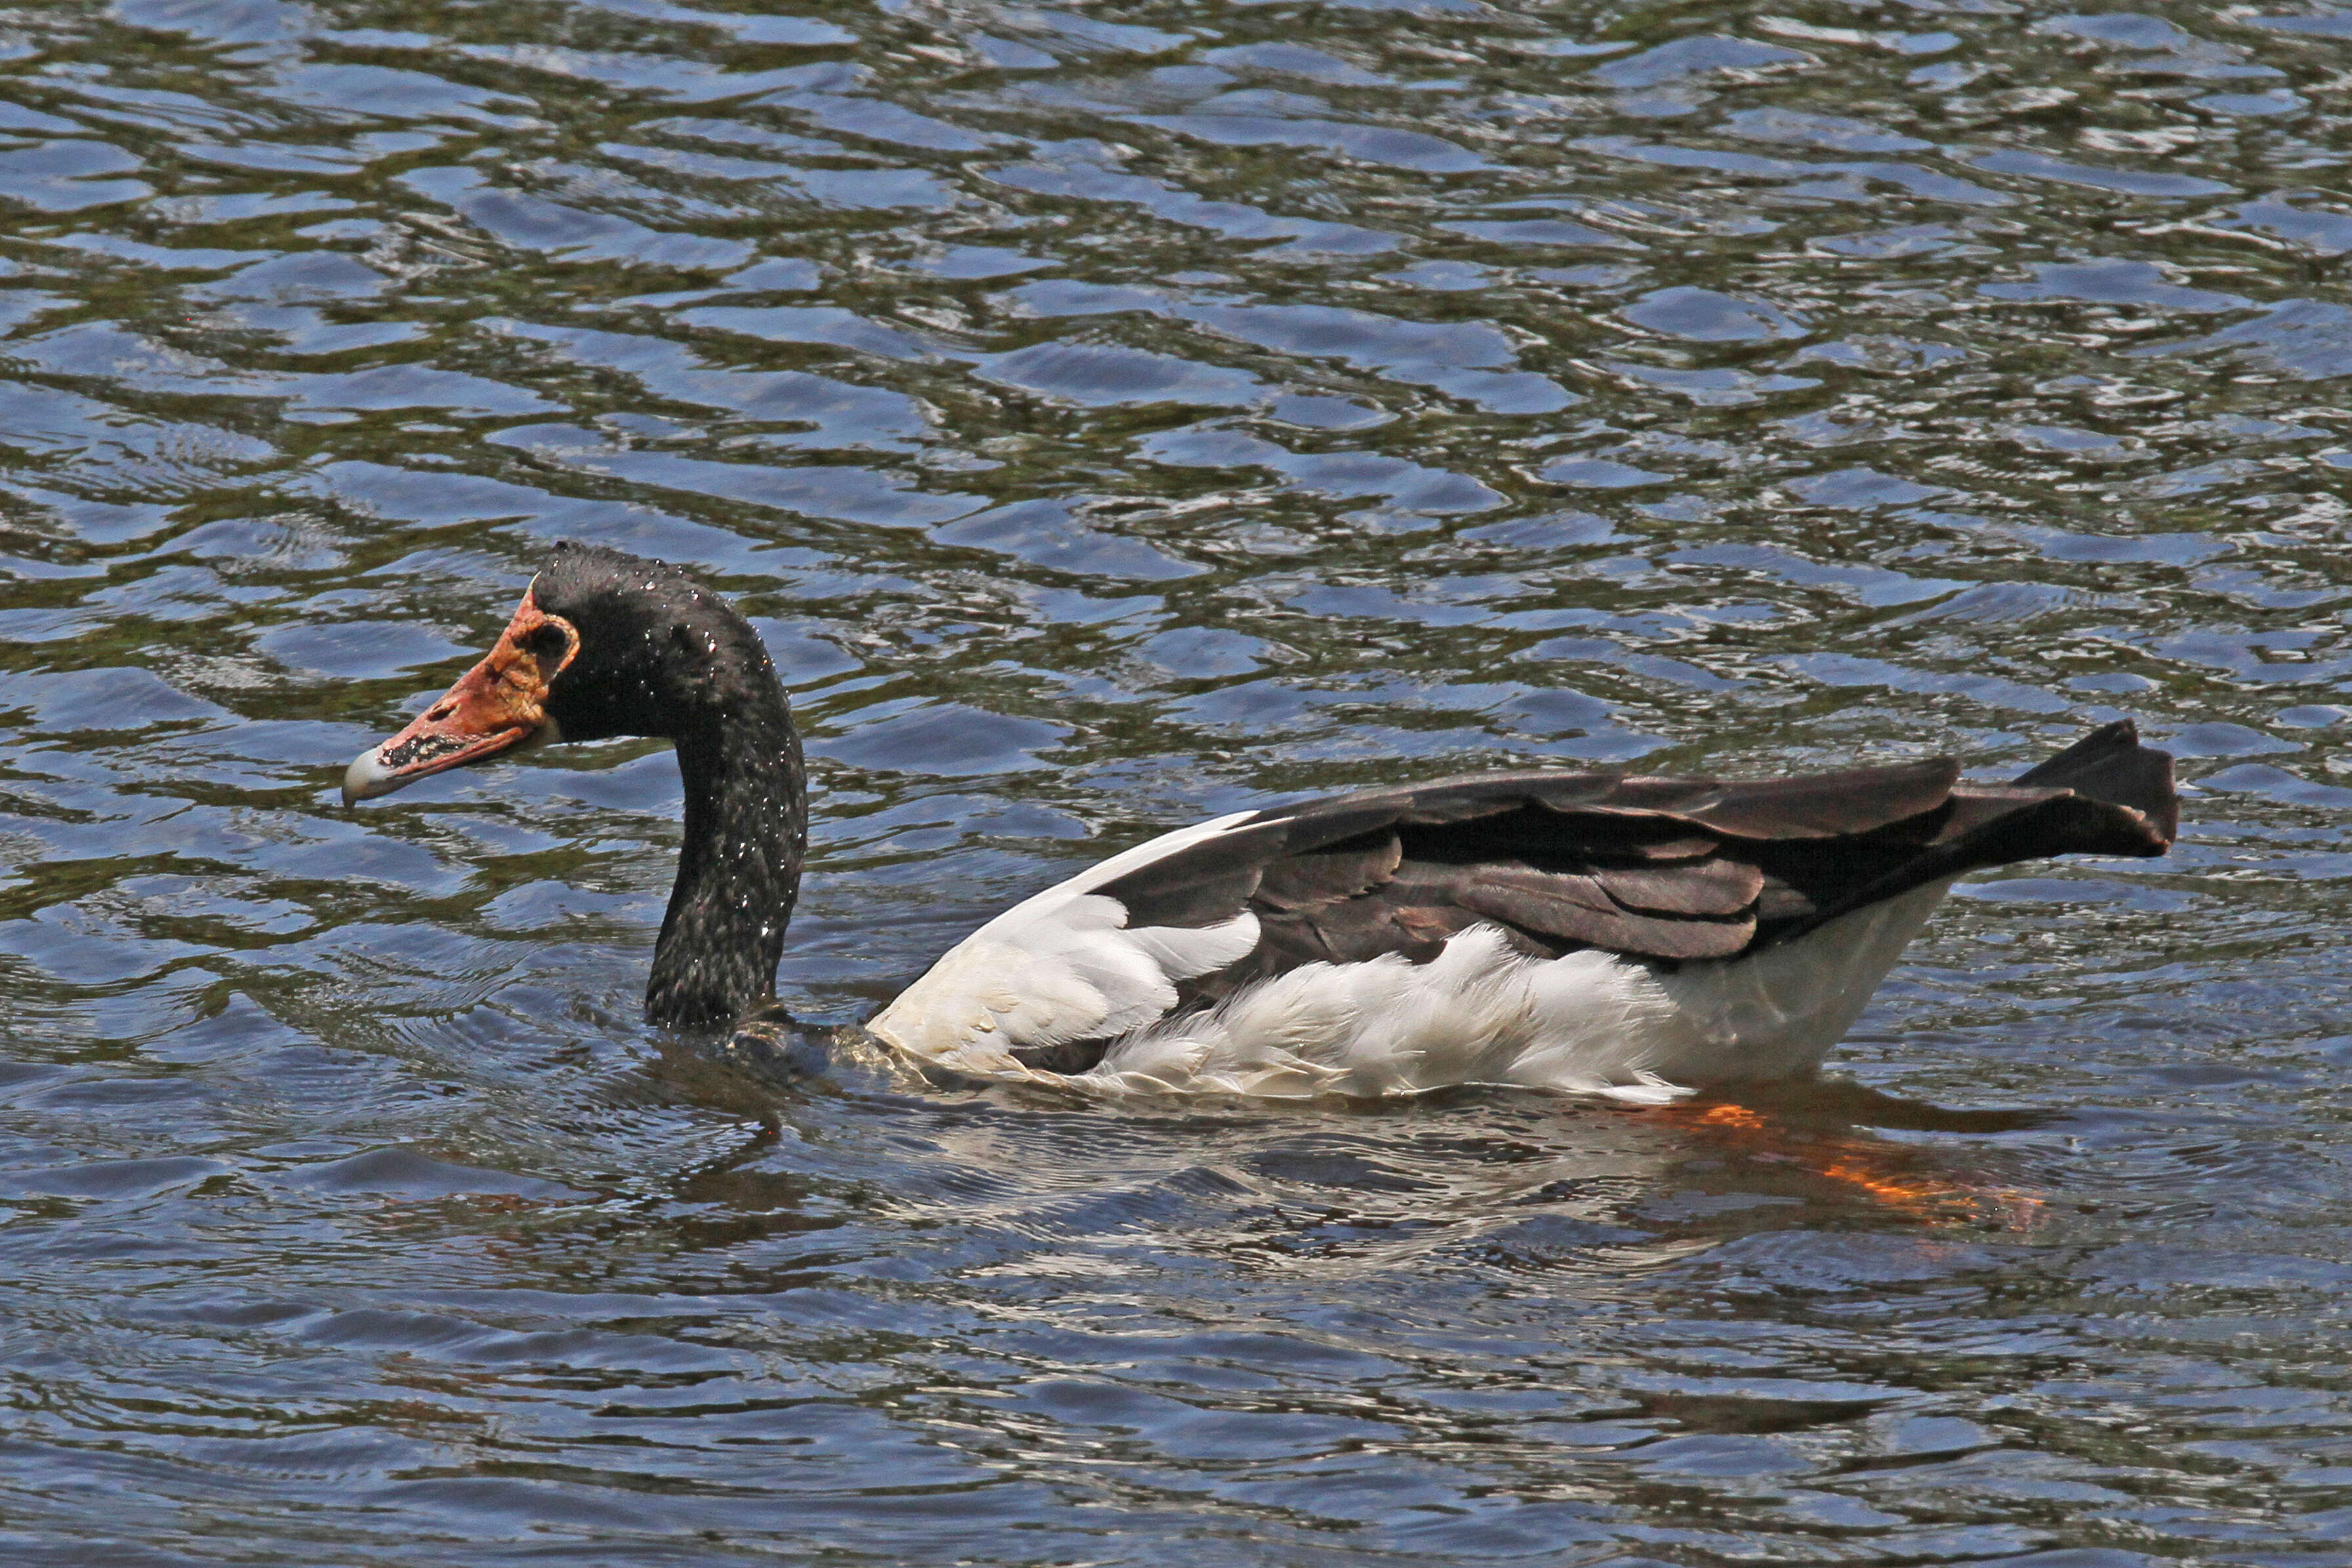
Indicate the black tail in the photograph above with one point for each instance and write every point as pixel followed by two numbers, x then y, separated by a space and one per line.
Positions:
pixel 2110 765
pixel 2105 795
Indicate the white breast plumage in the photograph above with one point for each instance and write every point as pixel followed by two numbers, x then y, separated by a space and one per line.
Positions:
pixel 1061 965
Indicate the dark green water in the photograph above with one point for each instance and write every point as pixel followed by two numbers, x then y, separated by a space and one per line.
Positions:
pixel 1116 416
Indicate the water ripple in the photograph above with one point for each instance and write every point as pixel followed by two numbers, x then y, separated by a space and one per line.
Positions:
pixel 1110 417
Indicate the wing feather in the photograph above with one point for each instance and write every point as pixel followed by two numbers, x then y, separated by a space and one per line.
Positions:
pixel 1545 864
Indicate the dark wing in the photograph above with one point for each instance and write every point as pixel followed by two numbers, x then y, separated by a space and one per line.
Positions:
pixel 1665 868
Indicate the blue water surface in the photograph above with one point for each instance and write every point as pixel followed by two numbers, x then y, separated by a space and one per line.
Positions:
pixel 1114 415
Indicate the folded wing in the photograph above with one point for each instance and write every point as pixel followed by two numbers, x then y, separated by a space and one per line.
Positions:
pixel 1669 870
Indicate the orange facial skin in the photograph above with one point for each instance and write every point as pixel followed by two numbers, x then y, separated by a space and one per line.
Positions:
pixel 496 705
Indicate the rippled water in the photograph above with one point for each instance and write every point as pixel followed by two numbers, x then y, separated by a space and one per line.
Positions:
pixel 1116 416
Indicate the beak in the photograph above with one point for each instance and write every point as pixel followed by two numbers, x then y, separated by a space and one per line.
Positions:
pixel 494 707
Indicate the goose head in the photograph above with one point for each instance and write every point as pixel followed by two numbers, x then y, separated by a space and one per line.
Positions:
pixel 602 644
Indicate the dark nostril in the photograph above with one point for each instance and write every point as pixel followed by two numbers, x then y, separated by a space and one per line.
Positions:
pixel 441 710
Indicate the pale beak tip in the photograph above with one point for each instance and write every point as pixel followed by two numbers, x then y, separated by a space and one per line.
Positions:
pixel 367 778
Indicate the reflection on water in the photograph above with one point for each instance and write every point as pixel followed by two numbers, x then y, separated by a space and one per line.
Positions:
pixel 1116 416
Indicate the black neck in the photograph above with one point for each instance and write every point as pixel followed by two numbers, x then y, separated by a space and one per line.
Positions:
pixel 739 871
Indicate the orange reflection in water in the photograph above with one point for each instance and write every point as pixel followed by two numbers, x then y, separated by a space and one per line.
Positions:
pixel 1870 1165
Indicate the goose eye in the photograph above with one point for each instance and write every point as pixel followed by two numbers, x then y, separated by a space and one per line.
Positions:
pixel 546 642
